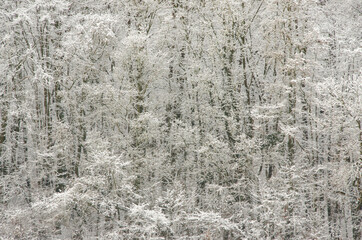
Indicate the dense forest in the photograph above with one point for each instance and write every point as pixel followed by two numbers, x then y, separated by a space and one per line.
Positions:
pixel 180 119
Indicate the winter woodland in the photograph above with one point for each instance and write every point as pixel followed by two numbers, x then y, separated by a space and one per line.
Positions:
pixel 180 119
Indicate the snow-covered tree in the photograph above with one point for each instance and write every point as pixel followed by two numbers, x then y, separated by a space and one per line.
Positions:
pixel 145 119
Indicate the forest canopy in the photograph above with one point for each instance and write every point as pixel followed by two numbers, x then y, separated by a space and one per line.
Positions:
pixel 180 119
